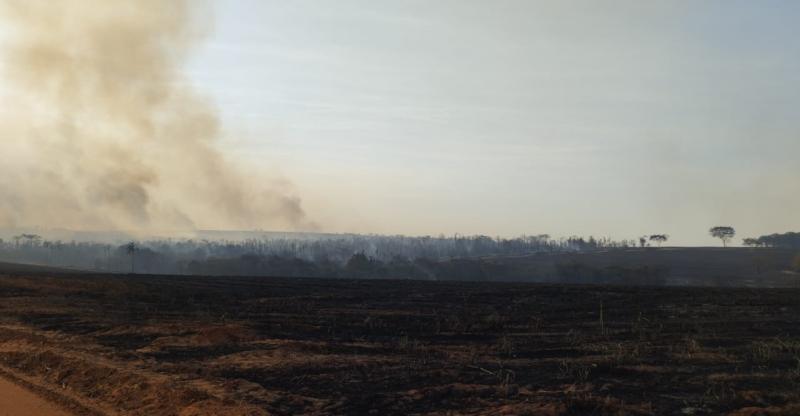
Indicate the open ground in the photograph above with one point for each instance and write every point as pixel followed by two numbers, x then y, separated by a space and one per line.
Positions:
pixel 169 345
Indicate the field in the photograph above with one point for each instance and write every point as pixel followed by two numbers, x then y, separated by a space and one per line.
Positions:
pixel 162 345
pixel 673 266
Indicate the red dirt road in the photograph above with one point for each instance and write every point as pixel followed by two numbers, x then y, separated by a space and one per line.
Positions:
pixel 16 401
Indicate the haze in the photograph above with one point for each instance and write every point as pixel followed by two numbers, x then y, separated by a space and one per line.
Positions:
pixel 614 118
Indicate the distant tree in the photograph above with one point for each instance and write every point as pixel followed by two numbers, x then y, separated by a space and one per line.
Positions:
pixel 131 248
pixel 28 240
pixel 642 241
pixel 724 233
pixel 785 240
pixel 359 265
pixel 659 238
pixel 751 242
pixel 32 239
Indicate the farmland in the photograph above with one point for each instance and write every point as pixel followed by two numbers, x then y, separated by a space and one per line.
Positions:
pixel 186 345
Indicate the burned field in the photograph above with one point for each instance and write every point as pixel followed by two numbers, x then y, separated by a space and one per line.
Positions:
pixel 160 345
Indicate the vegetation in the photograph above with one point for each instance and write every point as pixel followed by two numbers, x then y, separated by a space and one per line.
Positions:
pixel 785 240
pixel 659 238
pixel 130 249
pixel 573 260
pixel 328 255
pixel 724 233
pixel 750 242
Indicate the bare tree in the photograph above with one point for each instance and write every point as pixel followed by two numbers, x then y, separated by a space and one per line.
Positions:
pixel 723 232
pixel 659 238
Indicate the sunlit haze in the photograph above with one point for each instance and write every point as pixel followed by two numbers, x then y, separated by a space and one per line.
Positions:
pixel 615 118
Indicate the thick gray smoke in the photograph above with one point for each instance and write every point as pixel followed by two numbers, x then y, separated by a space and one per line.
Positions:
pixel 100 131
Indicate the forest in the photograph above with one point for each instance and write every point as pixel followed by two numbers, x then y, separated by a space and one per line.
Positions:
pixel 303 255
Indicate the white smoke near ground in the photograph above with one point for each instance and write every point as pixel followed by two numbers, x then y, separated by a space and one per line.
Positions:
pixel 101 131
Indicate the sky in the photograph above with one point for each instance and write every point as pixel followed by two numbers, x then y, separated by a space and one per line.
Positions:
pixel 614 119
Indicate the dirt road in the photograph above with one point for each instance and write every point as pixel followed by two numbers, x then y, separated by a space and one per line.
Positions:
pixel 16 401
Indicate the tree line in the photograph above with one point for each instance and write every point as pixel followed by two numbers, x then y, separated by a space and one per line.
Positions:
pixel 331 255
pixel 325 251
pixel 785 240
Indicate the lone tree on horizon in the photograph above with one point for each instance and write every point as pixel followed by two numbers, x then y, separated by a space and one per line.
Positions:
pixel 659 238
pixel 724 233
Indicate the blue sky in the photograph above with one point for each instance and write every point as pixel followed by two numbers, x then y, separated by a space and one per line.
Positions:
pixel 612 118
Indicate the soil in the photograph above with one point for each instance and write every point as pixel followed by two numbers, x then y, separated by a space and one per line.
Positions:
pixel 17 401
pixel 169 345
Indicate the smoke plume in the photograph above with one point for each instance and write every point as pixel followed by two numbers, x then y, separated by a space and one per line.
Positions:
pixel 100 131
